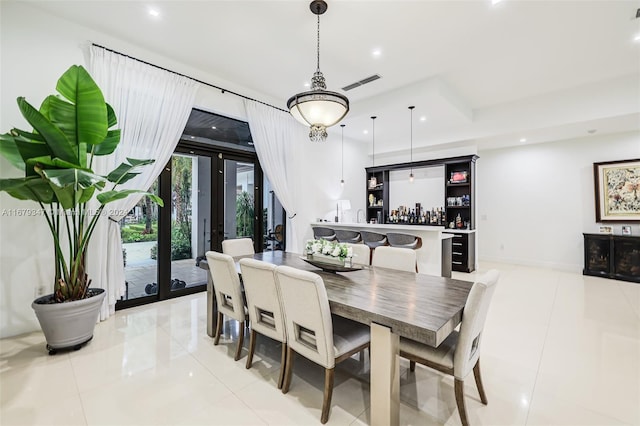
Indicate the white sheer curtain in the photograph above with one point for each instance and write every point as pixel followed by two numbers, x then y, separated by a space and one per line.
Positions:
pixel 276 137
pixel 152 107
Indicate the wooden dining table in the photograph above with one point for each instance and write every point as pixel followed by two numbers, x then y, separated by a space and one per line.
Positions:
pixel 394 304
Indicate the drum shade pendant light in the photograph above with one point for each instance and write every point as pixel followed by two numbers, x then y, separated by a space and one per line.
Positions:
pixel 411 138
pixel 318 108
pixel 342 173
pixel 373 181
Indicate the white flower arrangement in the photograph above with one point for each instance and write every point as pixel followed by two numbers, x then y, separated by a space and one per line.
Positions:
pixel 329 248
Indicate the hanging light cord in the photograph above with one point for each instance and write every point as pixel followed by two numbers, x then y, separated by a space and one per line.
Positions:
pixel 411 139
pixel 318 43
pixel 342 173
pixel 373 134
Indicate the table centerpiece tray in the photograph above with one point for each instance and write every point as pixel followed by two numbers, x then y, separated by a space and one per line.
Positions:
pixel 331 267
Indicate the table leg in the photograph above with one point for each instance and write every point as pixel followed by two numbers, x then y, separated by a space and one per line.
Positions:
pixel 385 376
pixel 211 307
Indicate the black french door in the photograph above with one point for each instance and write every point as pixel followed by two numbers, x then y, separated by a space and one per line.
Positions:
pixel 210 194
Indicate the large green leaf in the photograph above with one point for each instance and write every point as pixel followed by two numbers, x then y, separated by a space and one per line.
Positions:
pixel 108 145
pixel 68 197
pixel 27 135
pixel 9 150
pixel 69 185
pixel 110 196
pixel 127 170
pixel 30 188
pixel 29 149
pixel 62 114
pixel 75 178
pixel 77 86
pixel 87 194
pixel 55 139
pixel 111 117
pixel 46 162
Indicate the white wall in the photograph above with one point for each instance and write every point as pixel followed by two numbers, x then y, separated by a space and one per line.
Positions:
pixel 36 48
pixel 427 188
pixel 535 201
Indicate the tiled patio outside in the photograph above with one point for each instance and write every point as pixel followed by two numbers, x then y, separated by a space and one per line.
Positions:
pixel 142 270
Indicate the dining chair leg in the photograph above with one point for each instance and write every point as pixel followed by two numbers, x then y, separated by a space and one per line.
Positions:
pixel 328 393
pixel 476 374
pixel 287 373
pixel 240 341
pixel 283 363
pixel 218 328
pixel 459 389
pixel 252 348
pixel 412 366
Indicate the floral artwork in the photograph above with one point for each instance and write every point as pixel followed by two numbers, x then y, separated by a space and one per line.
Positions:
pixel 617 191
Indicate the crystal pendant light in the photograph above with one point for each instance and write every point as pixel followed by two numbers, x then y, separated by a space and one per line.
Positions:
pixel 411 174
pixel 342 173
pixel 318 108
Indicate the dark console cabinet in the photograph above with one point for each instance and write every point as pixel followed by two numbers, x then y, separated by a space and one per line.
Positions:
pixel 612 256
pixel 463 249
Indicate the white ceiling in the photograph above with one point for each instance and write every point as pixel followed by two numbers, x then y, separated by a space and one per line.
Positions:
pixel 481 74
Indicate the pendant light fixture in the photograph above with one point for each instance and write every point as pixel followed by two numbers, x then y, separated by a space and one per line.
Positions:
pixel 373 181
pixel 342 173
pixel 411 174
pixel 318 108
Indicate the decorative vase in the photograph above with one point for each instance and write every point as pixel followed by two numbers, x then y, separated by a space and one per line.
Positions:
pixel 68 324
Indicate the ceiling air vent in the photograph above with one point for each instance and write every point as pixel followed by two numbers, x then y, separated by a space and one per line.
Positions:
pixel 361 82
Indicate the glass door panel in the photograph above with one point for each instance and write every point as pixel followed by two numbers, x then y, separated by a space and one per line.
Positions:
pixel 239 202
pixel 273 219
pixel 190 219
pixel 139 233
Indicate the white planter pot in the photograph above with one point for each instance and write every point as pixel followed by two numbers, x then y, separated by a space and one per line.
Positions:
pixel 68 324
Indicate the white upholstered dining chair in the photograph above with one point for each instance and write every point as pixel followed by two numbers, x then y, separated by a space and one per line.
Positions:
pixel 238 247
pixel 228 292
pixel 263 304
pixel 312 331
pixel 361 253
pixel 460 352
pixel 402 259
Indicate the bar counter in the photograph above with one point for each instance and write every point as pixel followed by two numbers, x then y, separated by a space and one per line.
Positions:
pixel 434 257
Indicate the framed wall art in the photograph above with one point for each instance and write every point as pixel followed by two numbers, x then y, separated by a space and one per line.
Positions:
pixel 617 191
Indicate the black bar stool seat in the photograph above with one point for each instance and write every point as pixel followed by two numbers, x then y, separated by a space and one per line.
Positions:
pixel 404 240
pixel 320 232
pixel 345 236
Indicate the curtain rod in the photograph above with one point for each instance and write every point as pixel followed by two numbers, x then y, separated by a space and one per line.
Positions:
pixel 222 89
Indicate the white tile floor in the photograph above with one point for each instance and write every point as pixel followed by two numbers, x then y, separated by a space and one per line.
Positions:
pixel 559 349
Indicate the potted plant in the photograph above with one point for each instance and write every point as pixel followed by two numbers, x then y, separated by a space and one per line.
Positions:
pixel 69 131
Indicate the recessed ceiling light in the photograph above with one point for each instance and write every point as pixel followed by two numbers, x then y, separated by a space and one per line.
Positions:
pixel 213 127
pixel 494 2
pixel 376 52
pixel 193 137
pixel 306 84
pixel 366 132
pixel 423 118
pixel 637 38
pixel 154 12
pixel 523 140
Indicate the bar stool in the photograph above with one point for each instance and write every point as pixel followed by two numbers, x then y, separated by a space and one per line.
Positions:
pixel 404 241
pixel 373 240
pixel 345 236
pixel 324 233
